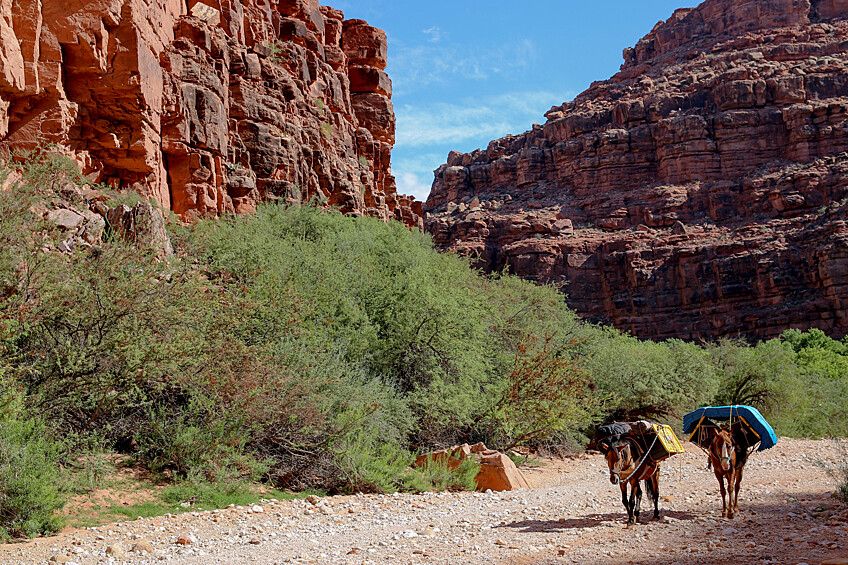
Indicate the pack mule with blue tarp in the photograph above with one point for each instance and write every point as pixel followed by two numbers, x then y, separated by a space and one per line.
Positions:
pixel 749 428
pixel 743 430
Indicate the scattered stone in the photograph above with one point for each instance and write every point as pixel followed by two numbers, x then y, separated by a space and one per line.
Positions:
pixel 563 226
pixel 679 228
pixel 142 546
pixel 65 219
pixel 116 550
pixel 206 13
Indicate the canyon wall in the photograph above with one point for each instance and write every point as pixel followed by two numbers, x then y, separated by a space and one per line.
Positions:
pixel 700 192
pixel 206 107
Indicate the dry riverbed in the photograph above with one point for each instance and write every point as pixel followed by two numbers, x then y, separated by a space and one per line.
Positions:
pixel 572 515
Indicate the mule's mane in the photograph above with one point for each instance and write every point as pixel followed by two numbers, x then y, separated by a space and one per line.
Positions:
pixel 635 450
pixel 723 435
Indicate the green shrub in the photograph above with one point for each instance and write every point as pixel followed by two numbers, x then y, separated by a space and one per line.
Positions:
pixel 319 350
pixel 436 475
pixel 30 475
pixel 546 392
pixel 197 440
pixel 647 379
pixel 277 52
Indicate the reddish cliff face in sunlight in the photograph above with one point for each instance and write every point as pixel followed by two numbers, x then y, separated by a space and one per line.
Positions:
pixel 208 107
pixel 700 192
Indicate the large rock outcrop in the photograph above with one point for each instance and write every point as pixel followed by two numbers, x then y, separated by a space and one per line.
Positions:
pixel 700 192
pixel 206 107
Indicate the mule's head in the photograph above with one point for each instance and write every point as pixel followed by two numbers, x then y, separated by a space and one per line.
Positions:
pixel 723 448
pixel 618 459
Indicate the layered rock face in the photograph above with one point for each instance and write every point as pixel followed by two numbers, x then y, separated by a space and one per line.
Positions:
pixel 700 192
pixel 207 107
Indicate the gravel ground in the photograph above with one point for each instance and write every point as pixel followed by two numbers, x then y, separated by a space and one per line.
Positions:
pixel 572 515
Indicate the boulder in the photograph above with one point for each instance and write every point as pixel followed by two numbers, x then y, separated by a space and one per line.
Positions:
pixel 142 224
pixel 497 471
pixel 116 551
pixel 143 546
pixel 65 219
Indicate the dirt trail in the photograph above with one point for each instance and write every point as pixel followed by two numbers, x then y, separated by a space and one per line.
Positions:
pixel 573 515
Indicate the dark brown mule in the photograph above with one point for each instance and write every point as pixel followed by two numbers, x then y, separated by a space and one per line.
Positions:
pixel 626 465
pixel 728 464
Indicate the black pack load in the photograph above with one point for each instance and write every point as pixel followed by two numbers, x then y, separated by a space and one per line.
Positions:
pixel 608 434
pixel 704 433
pixel 743 435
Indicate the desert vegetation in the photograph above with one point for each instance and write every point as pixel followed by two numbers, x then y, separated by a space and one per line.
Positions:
pixel 306 349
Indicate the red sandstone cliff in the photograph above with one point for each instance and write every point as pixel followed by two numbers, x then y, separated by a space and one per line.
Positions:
pixel 700 192
pixel 206 106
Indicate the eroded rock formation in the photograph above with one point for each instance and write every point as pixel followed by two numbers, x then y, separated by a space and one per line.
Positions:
pixel 700 192
pixel 497 471
pixel 206 107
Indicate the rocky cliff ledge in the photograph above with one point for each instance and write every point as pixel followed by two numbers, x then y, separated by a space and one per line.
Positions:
pixel 207 107
pixel 700 192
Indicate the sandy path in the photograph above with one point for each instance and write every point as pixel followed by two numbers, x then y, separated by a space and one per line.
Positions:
pixel 573 515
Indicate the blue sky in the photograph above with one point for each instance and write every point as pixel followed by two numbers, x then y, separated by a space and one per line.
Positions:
pixel 468 72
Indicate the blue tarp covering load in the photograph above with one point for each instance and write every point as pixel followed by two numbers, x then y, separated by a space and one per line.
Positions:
pixel 747 414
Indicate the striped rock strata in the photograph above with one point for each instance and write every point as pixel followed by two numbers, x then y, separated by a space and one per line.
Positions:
pixel 700 192
pixel 206 107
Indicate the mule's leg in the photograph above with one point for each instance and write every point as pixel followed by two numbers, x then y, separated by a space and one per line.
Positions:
pixel 653 485
pixel 720 477
pixel 739 472
pixel 625 500
pixel 631 504
pixel 638 500
pixel 731 479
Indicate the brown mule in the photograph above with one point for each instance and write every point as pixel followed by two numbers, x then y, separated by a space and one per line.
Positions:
pixel 623 459
pixel 728 464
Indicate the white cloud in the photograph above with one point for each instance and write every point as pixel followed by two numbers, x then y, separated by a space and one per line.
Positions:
pixel 414 171
pixel 434 34
pixel 427 132
pixel 413 185
pixel 413 67
pixel 478 120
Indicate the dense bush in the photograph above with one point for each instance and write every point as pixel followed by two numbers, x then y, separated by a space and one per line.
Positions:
pixel 318 350
pixel 29 473
pixel 647 379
